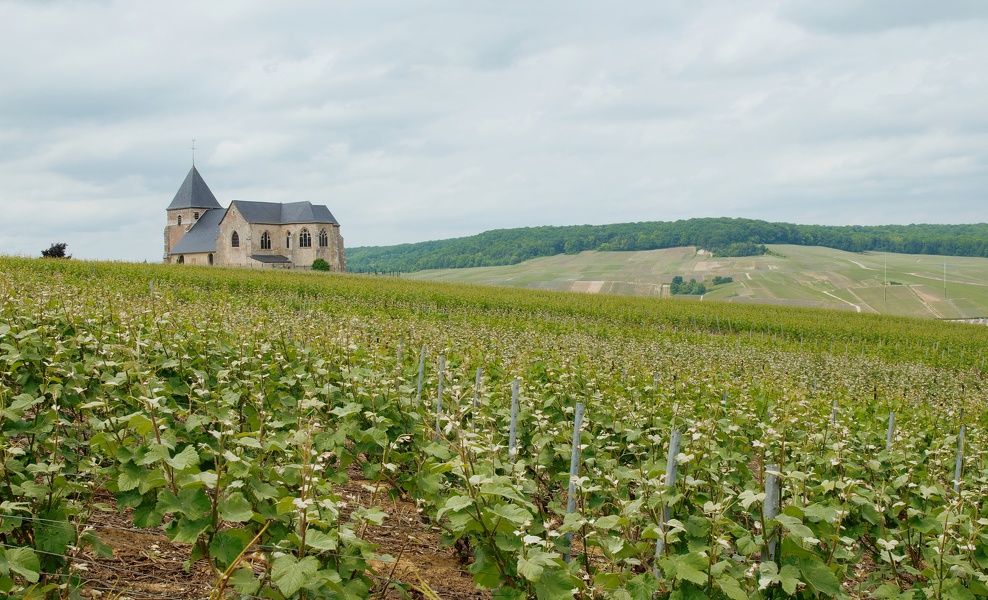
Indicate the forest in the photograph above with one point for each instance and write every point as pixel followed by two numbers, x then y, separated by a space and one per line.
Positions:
pixel 722 236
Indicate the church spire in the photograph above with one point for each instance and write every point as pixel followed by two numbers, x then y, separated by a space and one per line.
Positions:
pixel 194 193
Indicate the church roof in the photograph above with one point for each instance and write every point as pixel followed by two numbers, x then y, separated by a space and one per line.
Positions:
pixel 276 213
pixel 194 193
pixel 270 258
pixel 201 237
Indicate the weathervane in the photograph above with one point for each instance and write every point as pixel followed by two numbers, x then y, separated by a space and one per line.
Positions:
pixel 193 148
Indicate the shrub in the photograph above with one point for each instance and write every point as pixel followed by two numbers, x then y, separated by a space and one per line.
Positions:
pixel 320 265
pixel 57 250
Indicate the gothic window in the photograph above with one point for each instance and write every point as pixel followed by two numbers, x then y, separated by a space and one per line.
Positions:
pixel 195 216
pixel 304 239
pixel 235 240
pixel 288 240
pixel 179 219
pixel 323 239
pixel 181 259
pixel 265 241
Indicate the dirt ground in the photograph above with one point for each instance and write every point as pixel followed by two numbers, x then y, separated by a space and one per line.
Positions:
pixel 146 566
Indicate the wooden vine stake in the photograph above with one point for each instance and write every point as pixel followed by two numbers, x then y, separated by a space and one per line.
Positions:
pixel 439 396
pixel 890 432
pixel 675 439
pixel 574 472
pixel 513 431
pixel 959 464
pixel 399 355
pixel 476 388
pixel 770 508
pixel 418 394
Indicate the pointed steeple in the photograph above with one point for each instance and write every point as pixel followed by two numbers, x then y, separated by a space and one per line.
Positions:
pixel 194 193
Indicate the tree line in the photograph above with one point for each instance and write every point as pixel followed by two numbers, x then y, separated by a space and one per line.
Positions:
pixel 721 236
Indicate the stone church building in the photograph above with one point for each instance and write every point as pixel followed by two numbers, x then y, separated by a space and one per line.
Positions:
pixel 249 234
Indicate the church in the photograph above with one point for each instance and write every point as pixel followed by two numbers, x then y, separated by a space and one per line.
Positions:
pixel 249 234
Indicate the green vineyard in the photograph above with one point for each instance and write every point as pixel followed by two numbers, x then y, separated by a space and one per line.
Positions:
pixel 820 454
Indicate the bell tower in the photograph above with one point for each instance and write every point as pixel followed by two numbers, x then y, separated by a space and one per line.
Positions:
pixel 192 200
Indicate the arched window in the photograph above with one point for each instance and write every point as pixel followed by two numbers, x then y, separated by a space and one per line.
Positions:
pixel 181 259
pixel 210 259
pixel 304 239
pixel 179 219
pixel 323 239
pixel 235 240
pixel 265 241
pixel 288 240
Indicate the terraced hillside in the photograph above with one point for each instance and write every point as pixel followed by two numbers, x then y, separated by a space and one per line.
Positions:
pixel 869 282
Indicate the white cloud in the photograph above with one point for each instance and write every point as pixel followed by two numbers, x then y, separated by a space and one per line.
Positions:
pixel 417 121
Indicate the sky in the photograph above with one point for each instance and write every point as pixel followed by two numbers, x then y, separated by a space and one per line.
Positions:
pixel 420 120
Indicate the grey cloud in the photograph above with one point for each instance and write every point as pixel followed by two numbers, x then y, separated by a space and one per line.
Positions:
pixel 870 16
pixel 429 120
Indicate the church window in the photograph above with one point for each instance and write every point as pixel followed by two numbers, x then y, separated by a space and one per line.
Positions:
pixel 195 216
pixel 288 240
pixel 323 239
pixel 304 239
pixel 235 240
pixel 181 259
pixel 210 259
pixel 265 241
pixel 179 219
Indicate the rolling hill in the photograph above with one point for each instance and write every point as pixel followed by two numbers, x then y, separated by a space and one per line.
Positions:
pixel 917 285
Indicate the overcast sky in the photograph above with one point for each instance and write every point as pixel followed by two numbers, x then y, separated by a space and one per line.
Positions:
pixel 419 120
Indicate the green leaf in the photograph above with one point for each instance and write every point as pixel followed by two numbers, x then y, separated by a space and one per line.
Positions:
pixel 184 459
pixel 140 424
pixel 953 589
pixel 321 541
pixel 795 526
pixel 731 587
pixel 243 581
pixel 147 516
pixel 291 575
pixel 186 530
pixel 789 577
pixel 818 576
pixel 228 544
pixel 191 502
pixel 99 549
pixel 529 570
pixel 515 514
pixel 130 476
pixel 455 503
pixel 556 584
pixel 235 508
pixel 682 569
pixel 22 561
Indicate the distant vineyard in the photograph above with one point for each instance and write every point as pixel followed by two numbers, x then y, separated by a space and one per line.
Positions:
pixel 722 452
pixel 722 236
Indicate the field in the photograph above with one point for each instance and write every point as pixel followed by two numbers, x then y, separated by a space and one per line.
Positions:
pixel 792 275
pixel 290 435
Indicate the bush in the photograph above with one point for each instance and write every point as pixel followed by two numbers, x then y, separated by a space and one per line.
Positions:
pixel 57 250
pixel 718 280
pixel 320 265
pixel 691 288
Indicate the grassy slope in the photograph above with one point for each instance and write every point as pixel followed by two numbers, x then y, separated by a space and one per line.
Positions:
pixel 797 275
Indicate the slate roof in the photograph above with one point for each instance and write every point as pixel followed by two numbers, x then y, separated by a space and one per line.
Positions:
pixel 270 258
pixel 201 237
pixel 194 193
pixel 276 213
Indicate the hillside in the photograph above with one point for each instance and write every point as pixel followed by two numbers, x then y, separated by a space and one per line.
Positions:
pixel 722 236
pixel 789 275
